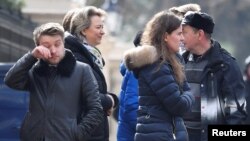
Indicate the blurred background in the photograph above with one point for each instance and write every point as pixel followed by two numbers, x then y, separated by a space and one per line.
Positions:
pixel 18 18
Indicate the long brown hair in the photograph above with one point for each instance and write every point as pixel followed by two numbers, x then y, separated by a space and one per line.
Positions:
pixel 154 34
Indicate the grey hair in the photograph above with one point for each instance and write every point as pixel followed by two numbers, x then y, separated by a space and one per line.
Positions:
pixel 81 20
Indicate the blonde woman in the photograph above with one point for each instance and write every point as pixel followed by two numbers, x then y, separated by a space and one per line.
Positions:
pixel 86 28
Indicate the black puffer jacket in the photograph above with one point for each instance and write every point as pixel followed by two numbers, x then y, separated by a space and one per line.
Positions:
pixel 56 101
pixel 83 55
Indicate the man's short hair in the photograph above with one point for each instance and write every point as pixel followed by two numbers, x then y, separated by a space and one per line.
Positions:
pixel 50 29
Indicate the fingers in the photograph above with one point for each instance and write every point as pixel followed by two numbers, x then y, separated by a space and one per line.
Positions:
pixel 45 52
pixel 109 112
pixel 112 99
pixel 41 52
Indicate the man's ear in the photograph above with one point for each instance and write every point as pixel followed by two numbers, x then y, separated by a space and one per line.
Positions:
pixel 201 33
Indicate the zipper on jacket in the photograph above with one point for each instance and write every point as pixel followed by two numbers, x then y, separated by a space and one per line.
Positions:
pixel 174 136
pixel 212 85
pixel 173 123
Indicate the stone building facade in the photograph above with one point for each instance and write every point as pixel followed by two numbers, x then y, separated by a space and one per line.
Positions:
pixel 15 34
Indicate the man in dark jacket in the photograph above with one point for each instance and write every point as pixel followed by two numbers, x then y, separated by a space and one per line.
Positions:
pixel 247 85
pixel 60 87
pixel 214 76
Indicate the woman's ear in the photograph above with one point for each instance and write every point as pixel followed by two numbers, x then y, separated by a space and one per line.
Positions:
pixel 83 32
pixel 166 37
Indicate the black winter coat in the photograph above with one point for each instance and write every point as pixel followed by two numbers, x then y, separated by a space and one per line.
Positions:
pixel 222 89
pixel 83 55
pixel 57 99
pixel 247 85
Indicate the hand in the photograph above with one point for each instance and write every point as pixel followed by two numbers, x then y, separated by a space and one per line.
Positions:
pixel 109 111
pixel 112 99
pixel 41 52
pixel 115 99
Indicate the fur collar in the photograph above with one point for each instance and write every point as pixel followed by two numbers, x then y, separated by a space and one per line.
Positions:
pixel 141 56
pixel 64 68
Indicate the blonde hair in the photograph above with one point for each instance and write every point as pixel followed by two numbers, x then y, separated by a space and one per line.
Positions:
pixel 67 19
pixel 81 20
pixel 183 9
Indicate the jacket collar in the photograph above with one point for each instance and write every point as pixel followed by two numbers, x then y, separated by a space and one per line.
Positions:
pixel 64 68
pixel 74 44
pixel 214 54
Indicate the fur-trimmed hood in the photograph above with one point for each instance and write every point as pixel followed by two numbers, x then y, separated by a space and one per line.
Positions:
pixel 141 56
pixel 64 68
